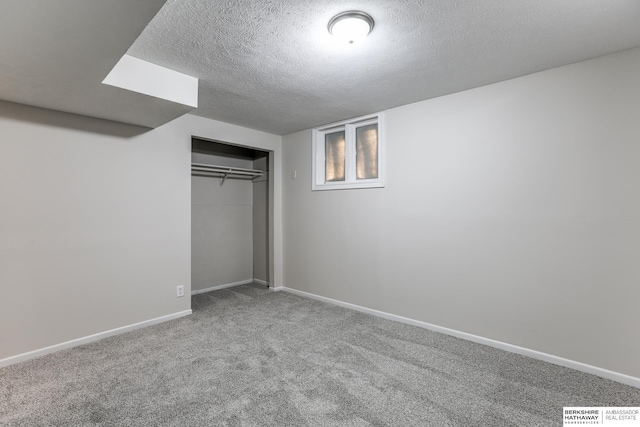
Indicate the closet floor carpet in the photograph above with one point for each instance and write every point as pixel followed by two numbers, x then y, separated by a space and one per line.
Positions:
pixel 251 357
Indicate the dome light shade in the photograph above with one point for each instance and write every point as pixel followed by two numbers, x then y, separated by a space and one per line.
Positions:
pixel 351 26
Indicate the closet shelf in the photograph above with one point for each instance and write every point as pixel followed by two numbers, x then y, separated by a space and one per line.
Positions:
pixel 224 171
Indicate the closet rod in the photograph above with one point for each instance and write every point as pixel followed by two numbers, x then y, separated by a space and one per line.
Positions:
pixel 219 174
pixel 225 169
pixel 227 172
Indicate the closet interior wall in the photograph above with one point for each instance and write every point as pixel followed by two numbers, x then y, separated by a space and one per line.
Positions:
pixel 261 222
pixel 228 220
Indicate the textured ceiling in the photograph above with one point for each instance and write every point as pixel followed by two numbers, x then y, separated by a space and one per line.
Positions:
pixel 271 64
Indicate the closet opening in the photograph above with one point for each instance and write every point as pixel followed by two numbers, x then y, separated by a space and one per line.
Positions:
pixel 230 215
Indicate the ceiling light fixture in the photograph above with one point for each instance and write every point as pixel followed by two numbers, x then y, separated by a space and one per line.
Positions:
pixel 351 26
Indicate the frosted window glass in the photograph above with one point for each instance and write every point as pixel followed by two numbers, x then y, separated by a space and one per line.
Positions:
pixel 334 156
pixel 367 152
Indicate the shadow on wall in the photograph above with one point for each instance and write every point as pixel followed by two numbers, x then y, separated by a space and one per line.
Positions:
pixel 47 117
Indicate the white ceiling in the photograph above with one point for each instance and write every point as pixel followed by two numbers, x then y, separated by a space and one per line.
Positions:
pixel 272 65
pixel 55 53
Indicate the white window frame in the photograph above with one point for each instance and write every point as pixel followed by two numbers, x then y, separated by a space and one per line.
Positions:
pixel 318 154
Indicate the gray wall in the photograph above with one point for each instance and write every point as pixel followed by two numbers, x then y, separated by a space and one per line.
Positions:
pixel 511 212
pixel 221 226
pixel 95 222
pixel 261 221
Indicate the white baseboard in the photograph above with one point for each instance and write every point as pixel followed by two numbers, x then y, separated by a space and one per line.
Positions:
pixel 260 282
pixel 88 339
pixel 227 285
pixel 279 288
pixel 567 363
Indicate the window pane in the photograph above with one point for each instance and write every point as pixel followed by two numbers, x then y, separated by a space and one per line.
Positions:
pixel 367 152
pixel 334 146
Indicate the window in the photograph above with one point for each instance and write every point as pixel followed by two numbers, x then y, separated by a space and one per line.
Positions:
pixel 349 154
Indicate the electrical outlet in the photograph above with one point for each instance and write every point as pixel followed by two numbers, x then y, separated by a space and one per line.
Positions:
pixel 180 291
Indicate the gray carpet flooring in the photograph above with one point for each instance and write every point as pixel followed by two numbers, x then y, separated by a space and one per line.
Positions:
pixel 250 357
